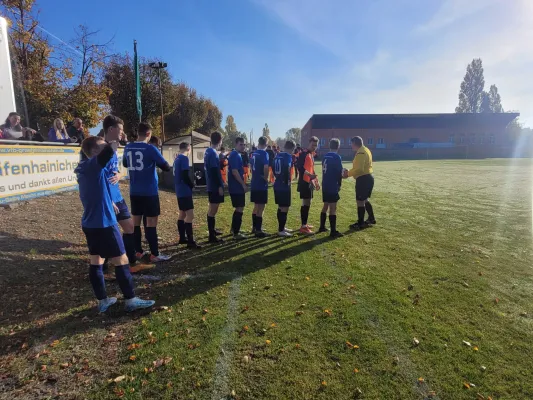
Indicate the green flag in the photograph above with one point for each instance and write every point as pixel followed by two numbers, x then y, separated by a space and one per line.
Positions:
pixel 137 81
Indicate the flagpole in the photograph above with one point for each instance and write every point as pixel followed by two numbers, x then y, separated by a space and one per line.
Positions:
pixel 138 103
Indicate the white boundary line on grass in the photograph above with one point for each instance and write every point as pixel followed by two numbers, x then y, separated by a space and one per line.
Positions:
pixel 221 388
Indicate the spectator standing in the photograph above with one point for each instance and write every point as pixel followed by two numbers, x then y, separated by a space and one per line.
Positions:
pixel 11 129
pixel 76 131
pixel 58 133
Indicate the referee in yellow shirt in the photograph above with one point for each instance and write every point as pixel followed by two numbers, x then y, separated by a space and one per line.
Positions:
pixel 364 183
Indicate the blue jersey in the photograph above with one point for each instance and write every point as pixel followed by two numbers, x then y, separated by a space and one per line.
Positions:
pixel 235 163
pixel 141 160
pixel 181 163
pixel 282 171
pixel 211 160
pixel 98 209
pixel 331 173
pixel 259 160
pixel 114 190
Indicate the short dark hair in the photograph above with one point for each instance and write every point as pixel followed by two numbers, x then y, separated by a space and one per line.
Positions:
pixel 89 144
pixel 239 140
pixel 155 141
pixel 143 129
pixel 313 139
pixel 262 141
pixel 334 144
pixel 357 140
pixel 216 137
pixel 11 114
pixel 290 145
pixel 111 121
pixel 222 148
pixel 184 145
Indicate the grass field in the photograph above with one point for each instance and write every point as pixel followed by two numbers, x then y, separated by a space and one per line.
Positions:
pixel 436 301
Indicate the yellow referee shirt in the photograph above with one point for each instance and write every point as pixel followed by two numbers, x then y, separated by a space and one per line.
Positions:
pixel 362 163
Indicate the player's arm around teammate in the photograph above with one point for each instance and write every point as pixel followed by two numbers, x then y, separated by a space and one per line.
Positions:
pixel 99 224
pixel 364 183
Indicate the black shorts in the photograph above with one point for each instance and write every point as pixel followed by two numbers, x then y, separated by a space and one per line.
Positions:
pixel 215 198
pixel 123 211
pixel 306 190
pixel 105 242
pixel 259 196
pixel 185 203
pixel 363 187
pixel 145 205
pixel 283 197
pixel 238 200
pixel 330 197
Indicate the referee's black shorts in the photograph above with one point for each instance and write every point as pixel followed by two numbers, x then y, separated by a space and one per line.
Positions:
pixel 363 187
pixel 305 189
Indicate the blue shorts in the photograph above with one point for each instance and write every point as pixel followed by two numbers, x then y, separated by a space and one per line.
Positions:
pixel 105 242
pixel 145 205
pixel 123 211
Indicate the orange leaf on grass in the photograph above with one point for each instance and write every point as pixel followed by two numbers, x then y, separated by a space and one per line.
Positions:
pixel 466 385
pixel 54 343
pixel 133 358
pixel 355 370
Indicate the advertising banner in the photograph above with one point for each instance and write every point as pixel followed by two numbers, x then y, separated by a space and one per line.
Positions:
pixel 27 172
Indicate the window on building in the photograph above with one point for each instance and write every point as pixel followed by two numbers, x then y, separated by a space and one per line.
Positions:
pixel 342 141
pixel 323 141
pixel 481 138
pixel 462 139
pixel 473 138
pixel 492 139
pixel 452 139
pixel 370 140
pixel 381 141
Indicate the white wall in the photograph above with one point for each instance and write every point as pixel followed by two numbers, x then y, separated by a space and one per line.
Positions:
pixel 7 96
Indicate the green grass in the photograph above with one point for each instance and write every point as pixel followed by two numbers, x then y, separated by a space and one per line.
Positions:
pixel 449 261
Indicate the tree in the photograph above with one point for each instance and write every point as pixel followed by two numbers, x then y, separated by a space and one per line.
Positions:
pixel 485 103
pixel 294 134
pixel 231 133
pixel 212 120
pixel 471 93
pixel 39 83
pixel 495 100
pixel 119 78
pixel 266 131
pixel 231 126
pixel 87 98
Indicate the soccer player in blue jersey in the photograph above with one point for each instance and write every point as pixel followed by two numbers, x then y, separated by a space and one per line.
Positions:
pixel 215 185
pixel 113 130
pixel 237 187
pixel 332 173
pixel 282 186
pixel 99 224
pixel 183 185
pixel 259 186
pixel 141 159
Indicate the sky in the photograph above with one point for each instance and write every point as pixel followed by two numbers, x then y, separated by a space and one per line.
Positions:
pixel 281 61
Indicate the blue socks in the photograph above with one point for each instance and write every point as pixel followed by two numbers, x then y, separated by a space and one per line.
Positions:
pixel 151 237
pixel 125 281
pixel 96 276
